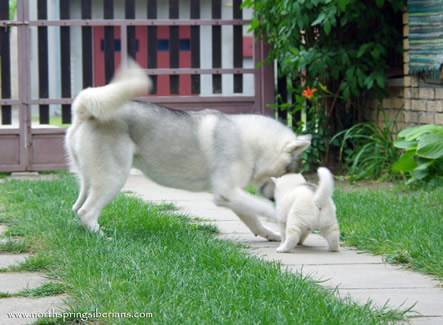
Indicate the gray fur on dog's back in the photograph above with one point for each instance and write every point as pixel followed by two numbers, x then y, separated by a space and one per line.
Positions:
pixel 166 131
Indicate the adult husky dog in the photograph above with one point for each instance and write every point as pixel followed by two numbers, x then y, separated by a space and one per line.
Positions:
pixel 303 207
pixel 196 151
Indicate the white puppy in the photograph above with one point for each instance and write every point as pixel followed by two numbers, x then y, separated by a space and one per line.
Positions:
pixel 303 207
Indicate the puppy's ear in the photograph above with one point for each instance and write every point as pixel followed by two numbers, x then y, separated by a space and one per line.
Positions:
pixel 274 180
pixel 298 145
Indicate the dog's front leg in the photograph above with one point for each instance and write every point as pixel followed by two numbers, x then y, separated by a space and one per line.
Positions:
pixel 248 207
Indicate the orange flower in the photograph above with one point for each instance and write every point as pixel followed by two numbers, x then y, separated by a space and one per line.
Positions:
pixel 308 92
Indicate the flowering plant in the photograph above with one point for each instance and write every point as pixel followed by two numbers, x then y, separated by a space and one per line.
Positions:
pixel 308 92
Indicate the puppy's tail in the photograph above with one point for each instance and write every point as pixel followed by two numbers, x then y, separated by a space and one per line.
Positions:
pixel 104 102
pixel 325 187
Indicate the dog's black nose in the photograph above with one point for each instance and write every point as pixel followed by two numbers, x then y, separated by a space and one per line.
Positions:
pixel 267 190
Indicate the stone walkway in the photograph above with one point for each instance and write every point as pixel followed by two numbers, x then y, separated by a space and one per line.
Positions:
pixel 13 309
pixel 362 276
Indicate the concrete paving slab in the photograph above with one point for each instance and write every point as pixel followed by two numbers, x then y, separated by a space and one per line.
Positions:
pixel 256 242
pixel 247 239
pixel 304 255
pixel 13 282
pixel 7 260
pixel 230 227
pixel 428 301
pixel 426 320
pixel 17 311
pixel 152 191
pixel 210 214
pixel 365 276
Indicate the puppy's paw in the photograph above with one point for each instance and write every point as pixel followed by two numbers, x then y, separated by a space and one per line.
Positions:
pixel 282 249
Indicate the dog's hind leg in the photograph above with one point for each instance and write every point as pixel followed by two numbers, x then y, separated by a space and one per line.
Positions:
pixel 84 190
pixel 332 235
pixel 248 207
pixel 99 195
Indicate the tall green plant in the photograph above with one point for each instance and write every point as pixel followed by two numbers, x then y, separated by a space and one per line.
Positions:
pixel 367 150
pixel 311 103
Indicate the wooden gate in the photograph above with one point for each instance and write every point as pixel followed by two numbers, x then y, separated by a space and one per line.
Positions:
pixel 198 53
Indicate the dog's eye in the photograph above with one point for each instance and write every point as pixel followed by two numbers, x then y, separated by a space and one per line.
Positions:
pixel 292 167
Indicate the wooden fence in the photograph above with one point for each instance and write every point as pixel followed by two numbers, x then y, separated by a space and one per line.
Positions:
pixel 198 53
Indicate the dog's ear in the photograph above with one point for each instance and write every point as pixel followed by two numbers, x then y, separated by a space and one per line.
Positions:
pixel 298 145
pixel 305 137
pixel 274 180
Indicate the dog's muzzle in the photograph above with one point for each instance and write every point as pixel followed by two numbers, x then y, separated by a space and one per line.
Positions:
pixel 267 190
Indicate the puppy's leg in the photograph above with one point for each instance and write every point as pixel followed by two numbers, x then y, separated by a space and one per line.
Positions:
pixel 332 235
pixel 283 231
pixel 303 237
pixel 248 207
pixel 293 234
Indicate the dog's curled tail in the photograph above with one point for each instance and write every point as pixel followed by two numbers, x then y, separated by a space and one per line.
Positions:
pixel 325 187
pixel 104 102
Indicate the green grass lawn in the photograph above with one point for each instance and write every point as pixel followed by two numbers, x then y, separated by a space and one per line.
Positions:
pixel 53 120
pixel 403 225
pixel 156 262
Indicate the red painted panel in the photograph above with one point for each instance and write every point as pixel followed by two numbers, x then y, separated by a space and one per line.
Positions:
pixel 163 32
pixel 163 86
pixel 185 80
pixel 163 80
pixel 141 58
pixel 248 46
pixel 99 57
pixel 184 32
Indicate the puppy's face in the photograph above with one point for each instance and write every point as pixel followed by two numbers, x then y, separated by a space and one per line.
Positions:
pixel 287 183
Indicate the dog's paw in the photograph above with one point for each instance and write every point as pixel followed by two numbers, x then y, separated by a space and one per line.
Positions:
pixel 271 235
pixel 274 237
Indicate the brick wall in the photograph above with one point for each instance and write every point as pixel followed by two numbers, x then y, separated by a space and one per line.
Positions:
pixel 421 99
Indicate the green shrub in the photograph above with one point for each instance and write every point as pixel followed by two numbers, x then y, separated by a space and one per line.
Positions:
pixel 344 45
pixel 345 40
pixel 423 153
pixel 367 150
